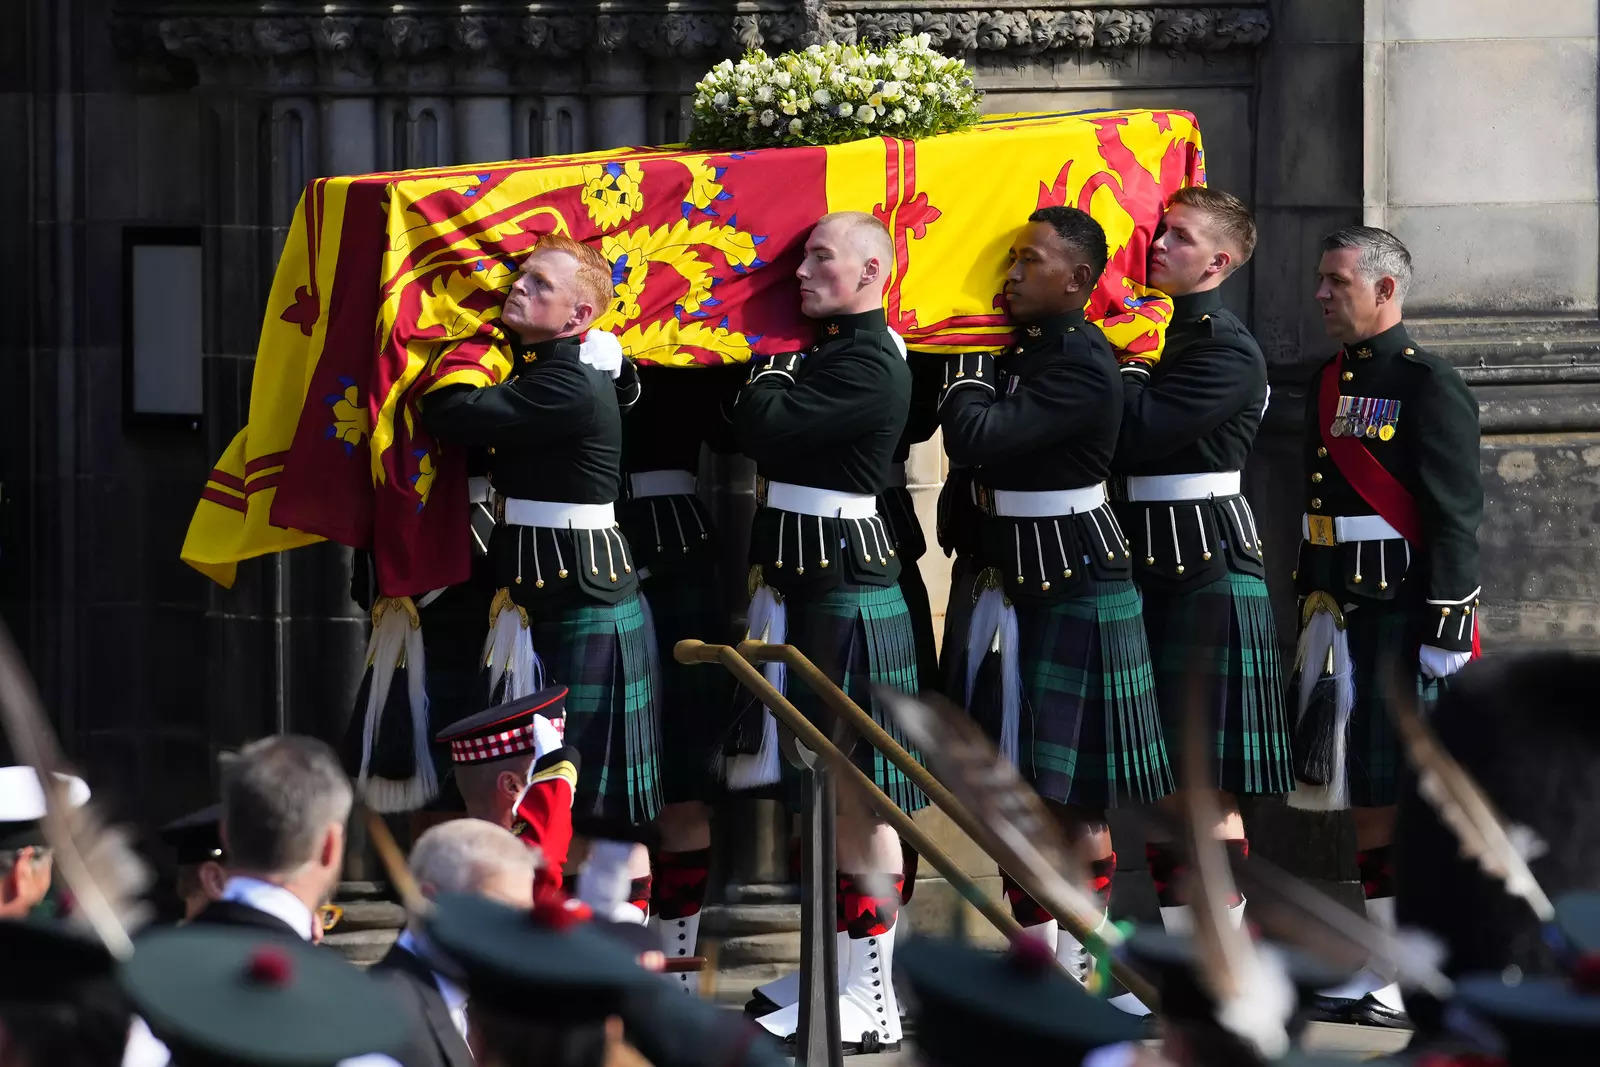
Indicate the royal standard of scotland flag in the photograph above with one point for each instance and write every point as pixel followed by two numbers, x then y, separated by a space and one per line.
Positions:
pixel 390 285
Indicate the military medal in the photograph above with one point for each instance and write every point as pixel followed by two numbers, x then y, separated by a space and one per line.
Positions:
pixel 1391 416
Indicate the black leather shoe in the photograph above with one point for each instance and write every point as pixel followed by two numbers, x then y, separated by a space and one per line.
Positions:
pixel 1370 1011
pixel 1332 1009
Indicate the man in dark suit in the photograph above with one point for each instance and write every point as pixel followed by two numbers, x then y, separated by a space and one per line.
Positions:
pixel 464 856
pixel 284 804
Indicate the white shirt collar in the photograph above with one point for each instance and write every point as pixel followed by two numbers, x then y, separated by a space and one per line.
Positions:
pixel 272 899
pixel 455 997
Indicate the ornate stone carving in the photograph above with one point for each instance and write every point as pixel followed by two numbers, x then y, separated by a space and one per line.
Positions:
pixel 552 30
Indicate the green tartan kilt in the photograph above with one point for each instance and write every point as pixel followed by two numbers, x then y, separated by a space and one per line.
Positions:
pixel 1090 729
pixel 605 655
pixel 915 592
pixel 861 637
pixel 1382 639
pixel 1218 644
pixel 694 698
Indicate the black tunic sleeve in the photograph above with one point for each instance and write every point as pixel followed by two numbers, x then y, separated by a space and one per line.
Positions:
pixel 1183 402
pixel 1450 503
pixel 836 402
pixel 981 427
pixel 550 399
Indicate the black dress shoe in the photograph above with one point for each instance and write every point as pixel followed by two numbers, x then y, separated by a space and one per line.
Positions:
pixel 1370 1011
pixel 1332 1009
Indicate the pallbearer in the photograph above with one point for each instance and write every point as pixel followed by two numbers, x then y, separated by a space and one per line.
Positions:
pixel 1073 698
pixel 1187 426
pixel 567 607
pixel 675 553
pixel 822 427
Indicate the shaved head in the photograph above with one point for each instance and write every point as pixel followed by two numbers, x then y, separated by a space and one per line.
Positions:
pixel 848 260
pixel 866 234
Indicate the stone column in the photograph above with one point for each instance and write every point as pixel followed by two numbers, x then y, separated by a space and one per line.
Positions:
pixel 617 100
pixel 1481 156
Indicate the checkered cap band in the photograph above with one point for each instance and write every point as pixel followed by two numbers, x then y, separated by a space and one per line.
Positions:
pixel 512 742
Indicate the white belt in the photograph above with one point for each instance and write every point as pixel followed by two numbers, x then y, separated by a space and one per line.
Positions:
pixel 558 515
pixel 897 476
pixel 479 491
pixel 806 500
pixel 1015 504
pixel 1347 528
pixel 1151 488
pixel 661 483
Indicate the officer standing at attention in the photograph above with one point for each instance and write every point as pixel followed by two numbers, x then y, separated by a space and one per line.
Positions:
pixel 1388 569
pixel 1188 422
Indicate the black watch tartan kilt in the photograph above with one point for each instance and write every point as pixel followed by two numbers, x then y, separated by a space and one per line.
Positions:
pixel 915 592
pixel 861 637
pixel 1219 644
pixel 1382 639
pixel 605 655
pixel 687 603
pixel 1090 731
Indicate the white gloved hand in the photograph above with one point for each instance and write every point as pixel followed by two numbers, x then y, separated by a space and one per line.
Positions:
pixel 1439 663
pixel 602 351
pixel 547 737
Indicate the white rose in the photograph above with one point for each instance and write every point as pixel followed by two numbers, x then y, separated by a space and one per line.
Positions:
pixel 768 117
pixel 897 116
pixel 865 113
pixel 844 111
pixel 782 80
pixel 795 126
pixel 764 94
pixel 822 96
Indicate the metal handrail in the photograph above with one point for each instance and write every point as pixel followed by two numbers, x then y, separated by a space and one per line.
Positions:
pixel 742 664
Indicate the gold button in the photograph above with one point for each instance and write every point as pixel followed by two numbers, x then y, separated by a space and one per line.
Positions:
pixel 1356 579
pixel 1180 568
pixel 1347 376
pixel 1044 586
pixel 1444 611
pixel 491 450
pixel 1322 453
pixel 1316 502
pixel 1316 476
pixel 1411 351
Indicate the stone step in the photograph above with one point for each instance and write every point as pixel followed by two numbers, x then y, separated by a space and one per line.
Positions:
pixel 370 915
pixel 361 947
pixel 725 920
pixel 781 949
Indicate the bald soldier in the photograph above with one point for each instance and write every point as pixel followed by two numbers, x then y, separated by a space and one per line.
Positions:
pixel 822 426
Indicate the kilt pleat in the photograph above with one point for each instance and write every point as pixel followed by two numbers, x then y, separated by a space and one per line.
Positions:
pixel 915 592
pixel 605 654
pixel 1092 732
pixel 693 699
pixel 861 637
pixel 1218 644
pixel 1382 639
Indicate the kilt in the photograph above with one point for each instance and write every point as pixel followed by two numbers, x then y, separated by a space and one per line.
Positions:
pixel 1218 644
pixel 861 637
pixel 605 655
pixel 1379 633
pixel 916 597
pixel 693 699
pixel 957 620
pixel 1090 729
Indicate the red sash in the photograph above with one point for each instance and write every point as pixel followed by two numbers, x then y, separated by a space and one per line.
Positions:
pixel 1381 490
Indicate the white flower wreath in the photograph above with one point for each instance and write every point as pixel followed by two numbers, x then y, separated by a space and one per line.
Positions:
pixel 833 93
